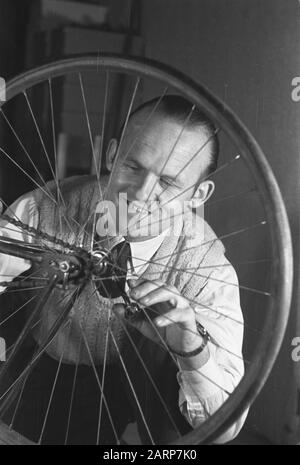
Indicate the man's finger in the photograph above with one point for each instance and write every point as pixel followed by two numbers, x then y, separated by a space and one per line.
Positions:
pixel 119 310
pixel 143 289
pixel 184 317
pixel 158 295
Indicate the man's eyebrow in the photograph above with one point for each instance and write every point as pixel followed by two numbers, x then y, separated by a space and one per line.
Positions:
pixel 132 161
pixel 173 177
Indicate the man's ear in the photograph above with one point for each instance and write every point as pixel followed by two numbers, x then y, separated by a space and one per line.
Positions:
pixel 111 153
pixel 202 194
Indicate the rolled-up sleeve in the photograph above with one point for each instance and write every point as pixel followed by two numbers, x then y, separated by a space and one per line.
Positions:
pixel 24 210
pixel 204 390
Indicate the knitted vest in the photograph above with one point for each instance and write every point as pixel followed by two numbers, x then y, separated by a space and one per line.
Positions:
pixel 91 311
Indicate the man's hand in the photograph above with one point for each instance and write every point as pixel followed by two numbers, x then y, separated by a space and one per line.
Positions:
pixel 176 326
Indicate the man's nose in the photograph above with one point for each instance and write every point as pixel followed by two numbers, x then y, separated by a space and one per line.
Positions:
pixel 147 188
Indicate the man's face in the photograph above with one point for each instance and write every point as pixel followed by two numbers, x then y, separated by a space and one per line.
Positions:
pixel 157 170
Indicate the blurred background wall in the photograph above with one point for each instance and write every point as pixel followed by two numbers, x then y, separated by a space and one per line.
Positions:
pixel 247 53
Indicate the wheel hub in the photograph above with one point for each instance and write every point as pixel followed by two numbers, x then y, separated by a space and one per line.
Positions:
pixel 73 268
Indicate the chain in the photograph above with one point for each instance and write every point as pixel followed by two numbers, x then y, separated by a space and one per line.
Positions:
pixel 23 283
pixel 41 234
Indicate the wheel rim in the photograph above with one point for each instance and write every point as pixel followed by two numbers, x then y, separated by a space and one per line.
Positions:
pixel 278 306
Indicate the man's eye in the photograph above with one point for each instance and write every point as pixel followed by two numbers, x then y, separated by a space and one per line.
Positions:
pixel 166 182
pixel 131 167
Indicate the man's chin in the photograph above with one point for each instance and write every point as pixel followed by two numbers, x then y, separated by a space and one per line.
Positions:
pixel 142 234
pixel 137 238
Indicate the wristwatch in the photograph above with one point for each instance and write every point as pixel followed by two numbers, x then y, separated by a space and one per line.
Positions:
pixel 205 339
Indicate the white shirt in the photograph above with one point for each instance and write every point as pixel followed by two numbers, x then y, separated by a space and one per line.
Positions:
pixel 204 390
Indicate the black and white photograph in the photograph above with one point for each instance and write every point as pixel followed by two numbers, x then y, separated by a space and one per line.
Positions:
pixel 149 225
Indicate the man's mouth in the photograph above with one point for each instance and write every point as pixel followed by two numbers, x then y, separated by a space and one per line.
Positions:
pixel 137 207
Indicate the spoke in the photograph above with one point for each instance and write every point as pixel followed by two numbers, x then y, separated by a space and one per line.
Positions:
pixel 213 341
pixel 93 235
pixel 73 390
pixel 104 118
pixel 39 132
pixel 240 322
pixel 189 269
pixel 10 398
pixel 43 235
pixel 103 376
pixel 10 393
pixel 98 382
pixel 23 148
pixel 98 169
pixel 104 369
pixel 23 278
pixel 164 344
pixel 32 327
pixel 123 133
pixel 82 228
pixel 144 125
pixel 16 311
pixel 148 374
pixel 75 373
pixel 131 387
pixel 35 324
pixel 192 301
pixel 105 279
pixel 90 132
pixel 39 306
pixel 7 207
pixel 34 275
pixel 93 153
pixel 53 126
pixel 232 196
pixel 68 323
pixel 221 168
pixel 208 242
pixel 28 176
pixel 220 265
pixel 24 289
pixel 215 133
pixel 47 157
pixel 186 121
pixel 59 193
pixel 18 402
pixel 180 214
pixel 20 227
pixel 144 308
pixel 82 231
pixel 45 344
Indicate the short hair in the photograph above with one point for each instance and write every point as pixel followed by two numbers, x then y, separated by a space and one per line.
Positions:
pixel 181 110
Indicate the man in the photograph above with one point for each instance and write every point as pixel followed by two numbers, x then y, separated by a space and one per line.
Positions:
pixel 161 163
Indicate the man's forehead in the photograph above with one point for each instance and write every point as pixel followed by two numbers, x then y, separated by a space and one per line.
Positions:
pixel 163 136
pixel 154 130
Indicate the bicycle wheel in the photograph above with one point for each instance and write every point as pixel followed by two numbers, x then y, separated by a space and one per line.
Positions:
pixel 63 260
